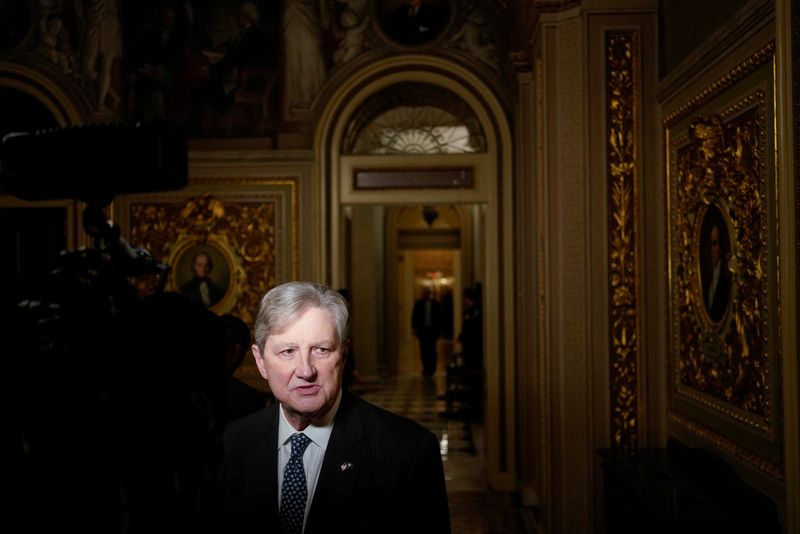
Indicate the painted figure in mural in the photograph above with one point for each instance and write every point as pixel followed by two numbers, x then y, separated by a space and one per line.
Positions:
pixel 415 22
pixel 51 28
pixel 352 28
pixel 154 54
pixel 102 46
pixel 247 57
pixel 304 22
pixel 322 459
pixel 472 38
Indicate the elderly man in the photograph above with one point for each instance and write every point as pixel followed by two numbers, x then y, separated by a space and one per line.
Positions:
pixel 321 459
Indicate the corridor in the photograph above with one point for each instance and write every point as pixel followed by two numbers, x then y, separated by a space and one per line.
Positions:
pixel 474 509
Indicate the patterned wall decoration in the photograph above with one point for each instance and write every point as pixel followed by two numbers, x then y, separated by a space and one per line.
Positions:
pixel 723 228
pixel 249 232
pixel 622 55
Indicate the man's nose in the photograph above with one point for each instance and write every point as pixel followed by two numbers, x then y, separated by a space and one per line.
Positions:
pixel 305 365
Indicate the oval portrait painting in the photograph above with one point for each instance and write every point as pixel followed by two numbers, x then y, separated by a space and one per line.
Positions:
pixel 413 22
pixel 714 254
pixel 202 272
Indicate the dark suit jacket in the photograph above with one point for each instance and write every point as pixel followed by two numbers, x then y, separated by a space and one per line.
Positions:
pixel 396 482
pixel 418 318
pixel 192 289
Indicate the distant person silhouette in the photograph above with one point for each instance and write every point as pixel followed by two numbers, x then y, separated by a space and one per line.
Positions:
pixel 426 321
pixel 471 339
pixel 471 336
pixel 241 399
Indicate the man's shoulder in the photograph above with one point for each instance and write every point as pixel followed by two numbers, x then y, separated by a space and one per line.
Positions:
pixel 384 422
pixel 251 429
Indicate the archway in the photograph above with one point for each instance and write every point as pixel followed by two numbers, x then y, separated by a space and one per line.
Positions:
pixel 336 190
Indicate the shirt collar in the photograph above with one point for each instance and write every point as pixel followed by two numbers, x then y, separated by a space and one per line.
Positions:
pixel 319 432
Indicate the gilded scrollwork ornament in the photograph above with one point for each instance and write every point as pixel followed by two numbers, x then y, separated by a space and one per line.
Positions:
pixel 621 61
pixel 720 267
pixel 244 231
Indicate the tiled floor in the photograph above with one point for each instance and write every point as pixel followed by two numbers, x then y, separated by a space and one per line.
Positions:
pixel 474 509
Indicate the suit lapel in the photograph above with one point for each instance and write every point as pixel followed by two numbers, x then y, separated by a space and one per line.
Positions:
pixel 345 458
pixel 262 461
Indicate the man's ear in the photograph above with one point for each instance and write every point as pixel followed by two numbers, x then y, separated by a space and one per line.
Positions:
pixel 262 367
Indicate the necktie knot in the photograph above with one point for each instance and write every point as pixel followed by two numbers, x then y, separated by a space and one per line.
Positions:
pixel 299 444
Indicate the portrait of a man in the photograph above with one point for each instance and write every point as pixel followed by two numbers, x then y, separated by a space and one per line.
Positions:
pixel 714 256
pixel 415 22
pixel 202 285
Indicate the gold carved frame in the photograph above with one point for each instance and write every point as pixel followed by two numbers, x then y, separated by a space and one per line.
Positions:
pixel 721 208
pixel 248 226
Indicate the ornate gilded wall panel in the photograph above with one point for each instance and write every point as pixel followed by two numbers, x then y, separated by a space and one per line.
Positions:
pixel 248 228
pixel 622 56
pixel 723 245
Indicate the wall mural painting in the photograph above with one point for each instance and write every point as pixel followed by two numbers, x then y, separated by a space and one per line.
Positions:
pixel 224 249
pixel 723 228
pixel 212 67
pixel 229 68
pixel 413 22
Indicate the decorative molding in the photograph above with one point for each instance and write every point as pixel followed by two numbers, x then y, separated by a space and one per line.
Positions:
pixel 622 56
pixel 740 71
pixel 721 181
pixel 729 446
pixel 254 230
pixel 725 351
pixel 753 15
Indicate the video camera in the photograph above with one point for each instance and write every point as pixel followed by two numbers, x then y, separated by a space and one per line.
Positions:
pixel 93 164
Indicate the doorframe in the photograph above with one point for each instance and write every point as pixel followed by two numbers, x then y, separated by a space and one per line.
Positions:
pixel 493 189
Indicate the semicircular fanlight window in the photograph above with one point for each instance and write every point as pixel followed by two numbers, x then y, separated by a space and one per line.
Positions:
pixel 414 118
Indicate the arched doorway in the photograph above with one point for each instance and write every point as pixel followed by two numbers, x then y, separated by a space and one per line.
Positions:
pixel 354 190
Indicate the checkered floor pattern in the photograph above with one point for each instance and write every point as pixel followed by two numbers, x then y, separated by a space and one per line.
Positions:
pixel 474 509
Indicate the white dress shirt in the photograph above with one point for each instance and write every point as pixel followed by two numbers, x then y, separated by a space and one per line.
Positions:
pixel 319 434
